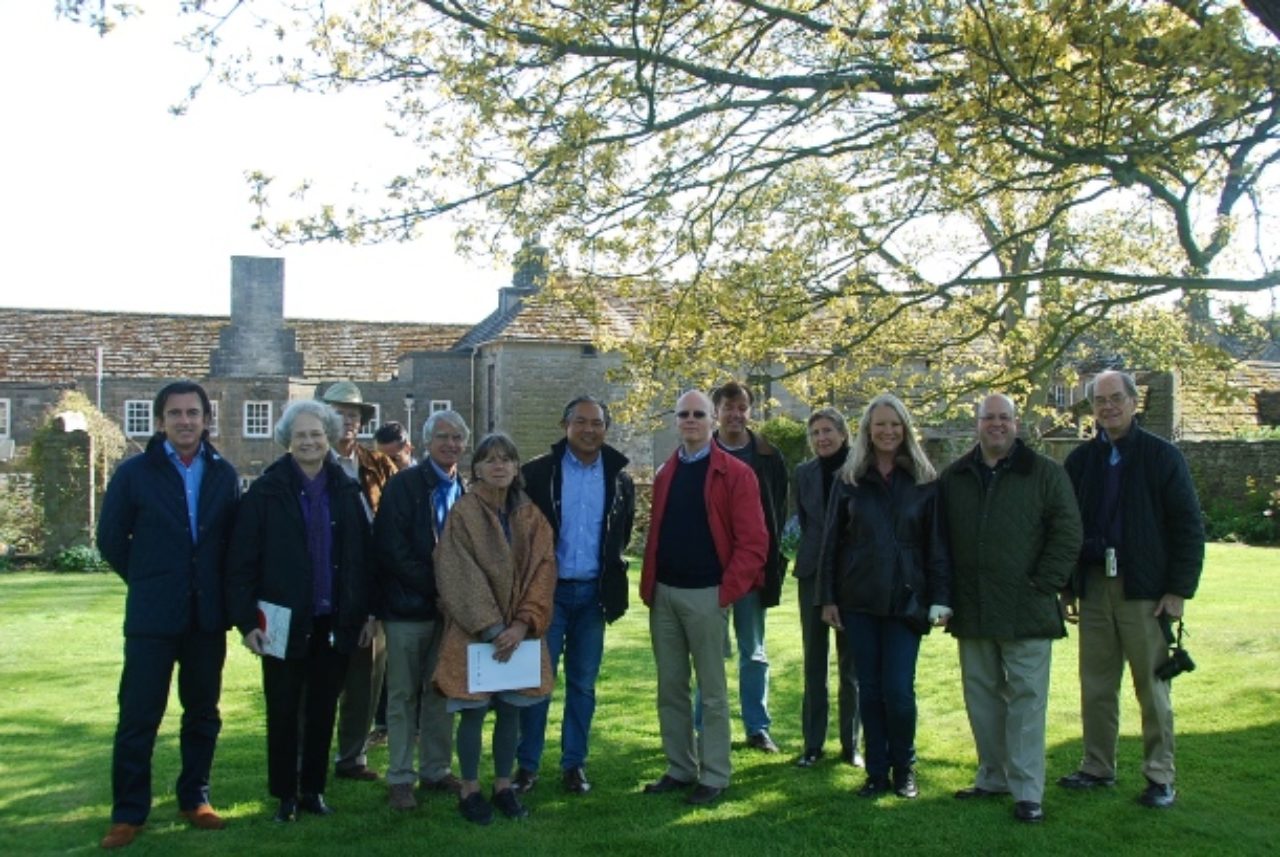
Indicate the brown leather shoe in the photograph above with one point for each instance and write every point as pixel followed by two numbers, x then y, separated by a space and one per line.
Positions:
pixel 120 835
pixel 448 783
pixel 204 817
pixel 400 796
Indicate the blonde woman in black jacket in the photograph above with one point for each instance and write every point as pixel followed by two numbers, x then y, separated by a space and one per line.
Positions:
pixel 884 577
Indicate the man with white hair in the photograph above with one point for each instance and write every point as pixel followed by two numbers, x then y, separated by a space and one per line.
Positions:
pixel 1142 556
pixel 414 508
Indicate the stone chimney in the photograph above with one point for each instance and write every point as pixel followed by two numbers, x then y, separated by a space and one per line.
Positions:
pixel 256 343
pixel 530 275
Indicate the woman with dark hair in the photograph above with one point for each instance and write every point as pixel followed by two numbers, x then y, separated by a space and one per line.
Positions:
pixel 884 578
pixel 301 541
pixel 829 442
pixel 496 573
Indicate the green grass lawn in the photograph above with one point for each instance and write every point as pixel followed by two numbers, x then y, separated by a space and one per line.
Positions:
pixel 60 650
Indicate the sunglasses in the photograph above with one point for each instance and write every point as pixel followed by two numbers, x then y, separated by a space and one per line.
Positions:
pixel 697 415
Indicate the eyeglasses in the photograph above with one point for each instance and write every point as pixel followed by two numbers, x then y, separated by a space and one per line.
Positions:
pixel 1115 399
pixel 697 415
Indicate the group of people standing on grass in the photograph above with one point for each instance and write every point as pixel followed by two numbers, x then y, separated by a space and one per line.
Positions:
pixel 388 572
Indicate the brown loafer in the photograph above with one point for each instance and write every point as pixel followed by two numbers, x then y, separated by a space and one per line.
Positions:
pixel 400 796
pixel 120 834
pixel 204 817
pixel 448 783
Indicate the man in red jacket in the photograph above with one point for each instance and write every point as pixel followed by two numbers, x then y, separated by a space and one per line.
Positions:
pixel 706 549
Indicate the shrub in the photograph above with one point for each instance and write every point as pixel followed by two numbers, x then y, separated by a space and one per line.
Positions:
pixel 1254 520
pixel 790 436
pixel 21 519
pixel 80 558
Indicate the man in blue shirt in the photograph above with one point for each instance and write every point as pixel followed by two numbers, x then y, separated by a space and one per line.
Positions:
pixel 164 526
pixel 583 489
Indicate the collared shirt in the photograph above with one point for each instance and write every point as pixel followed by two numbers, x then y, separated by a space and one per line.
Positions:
pixel 192 474
pixel 446 493
pixel 690 458
pixel 581 517
pixel 350 465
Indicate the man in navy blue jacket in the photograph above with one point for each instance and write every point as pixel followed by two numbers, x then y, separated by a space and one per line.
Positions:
pixel 164 526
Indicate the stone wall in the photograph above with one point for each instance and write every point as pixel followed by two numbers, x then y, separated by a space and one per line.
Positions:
pixel 1224 470
pixel 521 388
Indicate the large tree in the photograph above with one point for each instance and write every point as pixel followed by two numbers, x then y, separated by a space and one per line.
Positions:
pixel 962 187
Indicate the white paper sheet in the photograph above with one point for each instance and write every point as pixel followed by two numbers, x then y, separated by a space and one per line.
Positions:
pixel 523 670
pixel 273 620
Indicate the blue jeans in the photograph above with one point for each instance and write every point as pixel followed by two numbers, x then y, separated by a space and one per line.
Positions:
pixel 577 630
pixel 884 654
pixel 753 666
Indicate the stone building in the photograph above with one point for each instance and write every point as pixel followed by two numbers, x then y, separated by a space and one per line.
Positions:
pixel 512 372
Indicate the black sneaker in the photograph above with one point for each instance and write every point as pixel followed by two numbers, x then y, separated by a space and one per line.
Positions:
pixel 1158 795
pixel 476 809
pixel 1081 780
pixel 509 805
pixel 874 787
pixel 524 780
pixel 904 784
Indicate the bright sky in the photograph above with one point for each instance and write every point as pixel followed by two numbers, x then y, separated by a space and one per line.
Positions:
pixel 108 202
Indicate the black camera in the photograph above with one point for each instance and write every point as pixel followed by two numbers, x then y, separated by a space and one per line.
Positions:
pixel 1179 662
pixel 1179 659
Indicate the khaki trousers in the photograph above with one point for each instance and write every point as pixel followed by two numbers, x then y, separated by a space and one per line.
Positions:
pixel 689 627
pixel 414 706
pixel 1006 693
pixel 1114 631
pixel 359 702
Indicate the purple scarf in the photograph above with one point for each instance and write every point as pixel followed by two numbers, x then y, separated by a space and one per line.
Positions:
pixel 314 499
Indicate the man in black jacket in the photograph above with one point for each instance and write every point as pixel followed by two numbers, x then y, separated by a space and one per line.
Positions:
pixel 1142 556
pixel 587 495
pixel 411 517
pixel 164 526
pixel 733 403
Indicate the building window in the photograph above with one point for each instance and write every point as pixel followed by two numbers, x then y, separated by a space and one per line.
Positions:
pixel 4 418
pixel 368 429
pixel 438 405
pixel 137 418
pixel 213 418
pixel 1058 396
pixel 257 419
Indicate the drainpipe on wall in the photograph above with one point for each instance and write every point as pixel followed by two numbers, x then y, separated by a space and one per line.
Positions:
pixel 475 351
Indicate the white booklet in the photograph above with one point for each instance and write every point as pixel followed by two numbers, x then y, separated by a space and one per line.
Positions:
pixel 522 670
pixel 273 621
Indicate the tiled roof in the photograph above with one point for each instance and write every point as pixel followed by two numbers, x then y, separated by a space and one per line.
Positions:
pixel 1206 415
pixel 546 317
pixel 59 345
